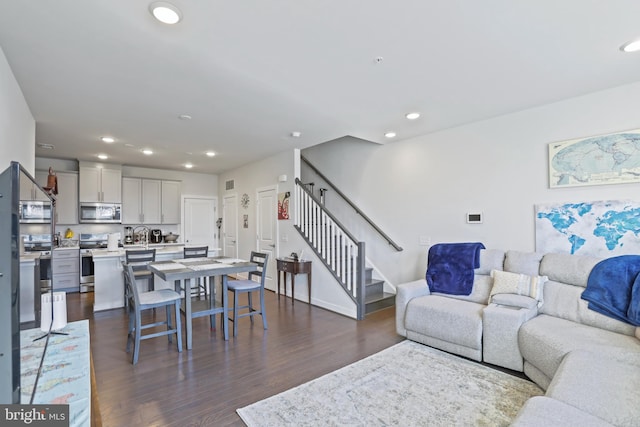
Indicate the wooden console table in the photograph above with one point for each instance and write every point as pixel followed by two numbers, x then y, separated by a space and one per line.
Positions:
pixel 294 267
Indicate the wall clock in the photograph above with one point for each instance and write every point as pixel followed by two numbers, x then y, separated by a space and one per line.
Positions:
pixel 244 201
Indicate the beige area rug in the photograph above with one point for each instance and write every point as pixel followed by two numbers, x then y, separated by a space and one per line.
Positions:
pixel 408 384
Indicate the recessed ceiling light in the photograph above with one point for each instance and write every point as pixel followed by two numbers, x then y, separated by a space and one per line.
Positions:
pixel 390 135
pixel 296 134
pixel 147 152
pixel 188 165
pixel 108 139
pixel 103 156
pixel 632 46
pixel 412 116
pixel 210 153
pixel 165 12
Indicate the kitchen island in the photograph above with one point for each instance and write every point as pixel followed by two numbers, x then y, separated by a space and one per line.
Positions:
pixel 108 278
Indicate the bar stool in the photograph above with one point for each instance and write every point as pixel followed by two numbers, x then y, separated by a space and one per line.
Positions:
pixel 197 252
pixel 140 271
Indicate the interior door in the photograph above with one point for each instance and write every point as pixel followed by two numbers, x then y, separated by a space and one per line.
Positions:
pixel 230 226
pixel 200 216
pixel 267 232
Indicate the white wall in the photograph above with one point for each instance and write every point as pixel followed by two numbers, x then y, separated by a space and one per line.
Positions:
pixel 426 185
pixel 248 179
pixel 17 126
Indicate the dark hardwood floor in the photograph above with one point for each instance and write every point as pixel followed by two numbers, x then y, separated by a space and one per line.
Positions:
pixel 204 386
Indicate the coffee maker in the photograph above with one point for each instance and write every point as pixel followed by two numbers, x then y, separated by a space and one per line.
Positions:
pixel 128 235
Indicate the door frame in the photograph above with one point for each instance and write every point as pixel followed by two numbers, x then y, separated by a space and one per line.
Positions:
pixel 183 217
pixel 276 249
pixel 224 222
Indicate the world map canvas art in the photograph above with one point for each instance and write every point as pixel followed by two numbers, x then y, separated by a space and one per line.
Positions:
pixel 602 229
pixel 597 160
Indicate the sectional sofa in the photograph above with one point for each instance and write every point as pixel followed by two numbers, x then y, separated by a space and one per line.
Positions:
pixel 588 363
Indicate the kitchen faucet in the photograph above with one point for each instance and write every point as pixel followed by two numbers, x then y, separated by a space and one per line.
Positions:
pixel 143 235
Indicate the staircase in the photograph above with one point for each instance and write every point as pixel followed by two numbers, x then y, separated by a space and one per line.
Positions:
pixel 340 252
pixel 375 298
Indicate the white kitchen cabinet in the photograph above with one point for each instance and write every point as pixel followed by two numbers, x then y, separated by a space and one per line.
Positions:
pixel 67 198
pixel 170 202
pixel 29 191
pixel 131 200
pixel 150 201
pixel 100 183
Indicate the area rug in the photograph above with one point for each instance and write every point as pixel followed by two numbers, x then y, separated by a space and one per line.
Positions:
pixel 408 384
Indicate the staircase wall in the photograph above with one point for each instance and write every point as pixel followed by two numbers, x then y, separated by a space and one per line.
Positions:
pixel 424 186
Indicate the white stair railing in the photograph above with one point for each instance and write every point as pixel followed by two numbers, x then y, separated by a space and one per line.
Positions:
pixel 340 251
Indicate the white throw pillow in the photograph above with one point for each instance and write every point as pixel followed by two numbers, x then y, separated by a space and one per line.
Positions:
pixel 505 282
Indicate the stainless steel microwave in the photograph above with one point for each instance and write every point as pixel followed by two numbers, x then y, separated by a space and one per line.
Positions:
pixel 35 212
pixel 100 213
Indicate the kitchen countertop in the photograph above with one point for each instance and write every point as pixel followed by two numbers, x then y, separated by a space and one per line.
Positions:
pixel 161 248
pixel 29 256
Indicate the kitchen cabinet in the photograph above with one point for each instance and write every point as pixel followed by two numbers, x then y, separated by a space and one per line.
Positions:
pixel 30 191
pixel 67 198
pixel 65 265
pixel 170 202
pixel 102 183
pixel 150 201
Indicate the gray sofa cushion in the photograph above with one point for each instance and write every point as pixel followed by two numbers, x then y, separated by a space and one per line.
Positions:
pixel 523 262
pixel 545 340
pixel 567 268
pixel 563 301
pixel 541 411
pixel 446 319
pixel 490 259
pixel 479 293
pixel 604 386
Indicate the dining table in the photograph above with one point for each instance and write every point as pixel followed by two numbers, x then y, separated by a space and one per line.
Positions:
pixel 183 271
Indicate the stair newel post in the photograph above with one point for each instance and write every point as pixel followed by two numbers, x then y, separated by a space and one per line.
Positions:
pixel 360 293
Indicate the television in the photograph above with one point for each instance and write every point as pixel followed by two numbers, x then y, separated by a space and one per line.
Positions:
pixel 10 181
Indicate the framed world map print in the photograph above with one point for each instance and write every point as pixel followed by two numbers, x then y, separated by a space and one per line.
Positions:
pixel 604 159
pixel 601 229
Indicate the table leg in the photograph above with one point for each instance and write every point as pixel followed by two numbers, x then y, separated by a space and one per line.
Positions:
pixel 285 285
pixel 225 308
pixel 187 312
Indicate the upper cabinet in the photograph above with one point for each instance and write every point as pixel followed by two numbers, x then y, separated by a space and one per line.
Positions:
pixel 150 201
pixel 170 202
pixel 30 191
pixel 67 199
pixel 100 183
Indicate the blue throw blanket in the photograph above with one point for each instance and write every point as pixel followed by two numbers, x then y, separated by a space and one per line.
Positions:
pixel 613 288
pixel 450 267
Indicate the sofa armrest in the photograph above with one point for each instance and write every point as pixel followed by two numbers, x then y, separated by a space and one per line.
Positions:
pixel 501 324
pixel 514 300
pixel 405 292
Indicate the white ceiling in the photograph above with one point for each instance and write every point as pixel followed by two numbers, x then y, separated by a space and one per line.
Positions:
pixel 251 72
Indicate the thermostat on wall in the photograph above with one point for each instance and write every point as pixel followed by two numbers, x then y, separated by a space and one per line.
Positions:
pixel 474 218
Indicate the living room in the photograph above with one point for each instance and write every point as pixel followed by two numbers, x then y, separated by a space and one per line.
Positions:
pixel 420 189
